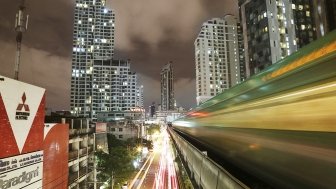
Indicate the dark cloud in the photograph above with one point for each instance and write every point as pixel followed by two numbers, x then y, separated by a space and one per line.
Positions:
pixel 149 32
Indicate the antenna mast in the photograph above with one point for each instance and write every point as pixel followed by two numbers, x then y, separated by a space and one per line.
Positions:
pixel 21 26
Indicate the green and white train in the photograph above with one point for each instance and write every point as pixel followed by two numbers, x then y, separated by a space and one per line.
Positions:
pixel 279 125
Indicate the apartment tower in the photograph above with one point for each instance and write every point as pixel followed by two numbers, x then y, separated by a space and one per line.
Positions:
pixel 113 86
pixel 140 96
pixel 93 38
pixel 274 29
pixel 167 87
pixel 217 57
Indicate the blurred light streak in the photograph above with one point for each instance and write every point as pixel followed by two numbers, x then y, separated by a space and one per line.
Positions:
pixel 137 175
pixel 145 174
pixel 166 176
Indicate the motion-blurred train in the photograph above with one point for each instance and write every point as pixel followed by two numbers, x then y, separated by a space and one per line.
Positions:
pixel 279 125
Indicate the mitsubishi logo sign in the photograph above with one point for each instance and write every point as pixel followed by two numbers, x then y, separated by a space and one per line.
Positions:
pixel 22 110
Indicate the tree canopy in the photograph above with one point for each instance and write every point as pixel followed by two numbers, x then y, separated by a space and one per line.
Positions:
pixel 119 162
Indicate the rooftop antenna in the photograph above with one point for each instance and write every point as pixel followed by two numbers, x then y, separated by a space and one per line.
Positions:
pixel 21 26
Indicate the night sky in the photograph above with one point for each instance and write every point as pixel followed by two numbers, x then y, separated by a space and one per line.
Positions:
pixel 149 32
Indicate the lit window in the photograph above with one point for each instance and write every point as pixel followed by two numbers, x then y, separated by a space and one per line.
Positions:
pixel 307 13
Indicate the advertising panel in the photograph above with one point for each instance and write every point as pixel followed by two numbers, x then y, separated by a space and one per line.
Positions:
pixel 21 117
pixel 21 171
pixel 22 126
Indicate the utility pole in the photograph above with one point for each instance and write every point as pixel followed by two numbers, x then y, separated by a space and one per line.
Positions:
pixel 112 179
pixel 21 26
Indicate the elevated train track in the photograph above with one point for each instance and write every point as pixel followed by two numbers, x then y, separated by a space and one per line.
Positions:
pixel 280 125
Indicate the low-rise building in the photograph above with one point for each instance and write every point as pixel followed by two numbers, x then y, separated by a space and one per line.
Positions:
pixel 81 150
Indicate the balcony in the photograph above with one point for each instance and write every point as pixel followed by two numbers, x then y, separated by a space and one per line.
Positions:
pixel 72 177
pixel 73 155
pixel 82 171
pixel 78 132
pixel 90 149
pixel 83 152
pixel 72 132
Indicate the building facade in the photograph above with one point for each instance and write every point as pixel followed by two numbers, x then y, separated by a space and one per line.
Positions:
pixel 113 86
pixel 275 29
pixel 269 32
pixel 140 96
pixel 167 87
pixel 81 150
pixel 330 14
pixel 93 38
pixel 217 57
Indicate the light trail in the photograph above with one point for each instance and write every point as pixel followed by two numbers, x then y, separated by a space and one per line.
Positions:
pixel 166 177
pixel 145 174
pixel 137 175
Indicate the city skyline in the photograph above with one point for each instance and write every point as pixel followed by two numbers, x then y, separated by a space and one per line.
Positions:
pixel 47 45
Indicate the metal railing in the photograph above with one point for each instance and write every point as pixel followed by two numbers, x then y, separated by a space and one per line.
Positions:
pixel 83 152
pixel 76 132
pixel 73 155
pixel 72 177
pixel 205 172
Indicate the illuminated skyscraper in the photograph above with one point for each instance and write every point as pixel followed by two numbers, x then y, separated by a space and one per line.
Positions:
pixel 274 29
pixel 113 86
pixel 217 57
pixel 93 38
pixel 140 96
pixel 167 87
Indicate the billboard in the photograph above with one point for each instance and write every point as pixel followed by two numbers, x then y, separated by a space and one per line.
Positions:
pixel 29 151
pixel 21 125
pixel 21 117
pixel 21 171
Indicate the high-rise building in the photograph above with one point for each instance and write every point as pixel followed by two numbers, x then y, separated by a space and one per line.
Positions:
pixel 217 57
pixel 269 31
pixel 330 14
pixel 167 87
pixel 275 29
pixel 325 16
pixel 244 73
pixel 152 110
pixel 93 38
pixel 113 86
pixel 140 96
